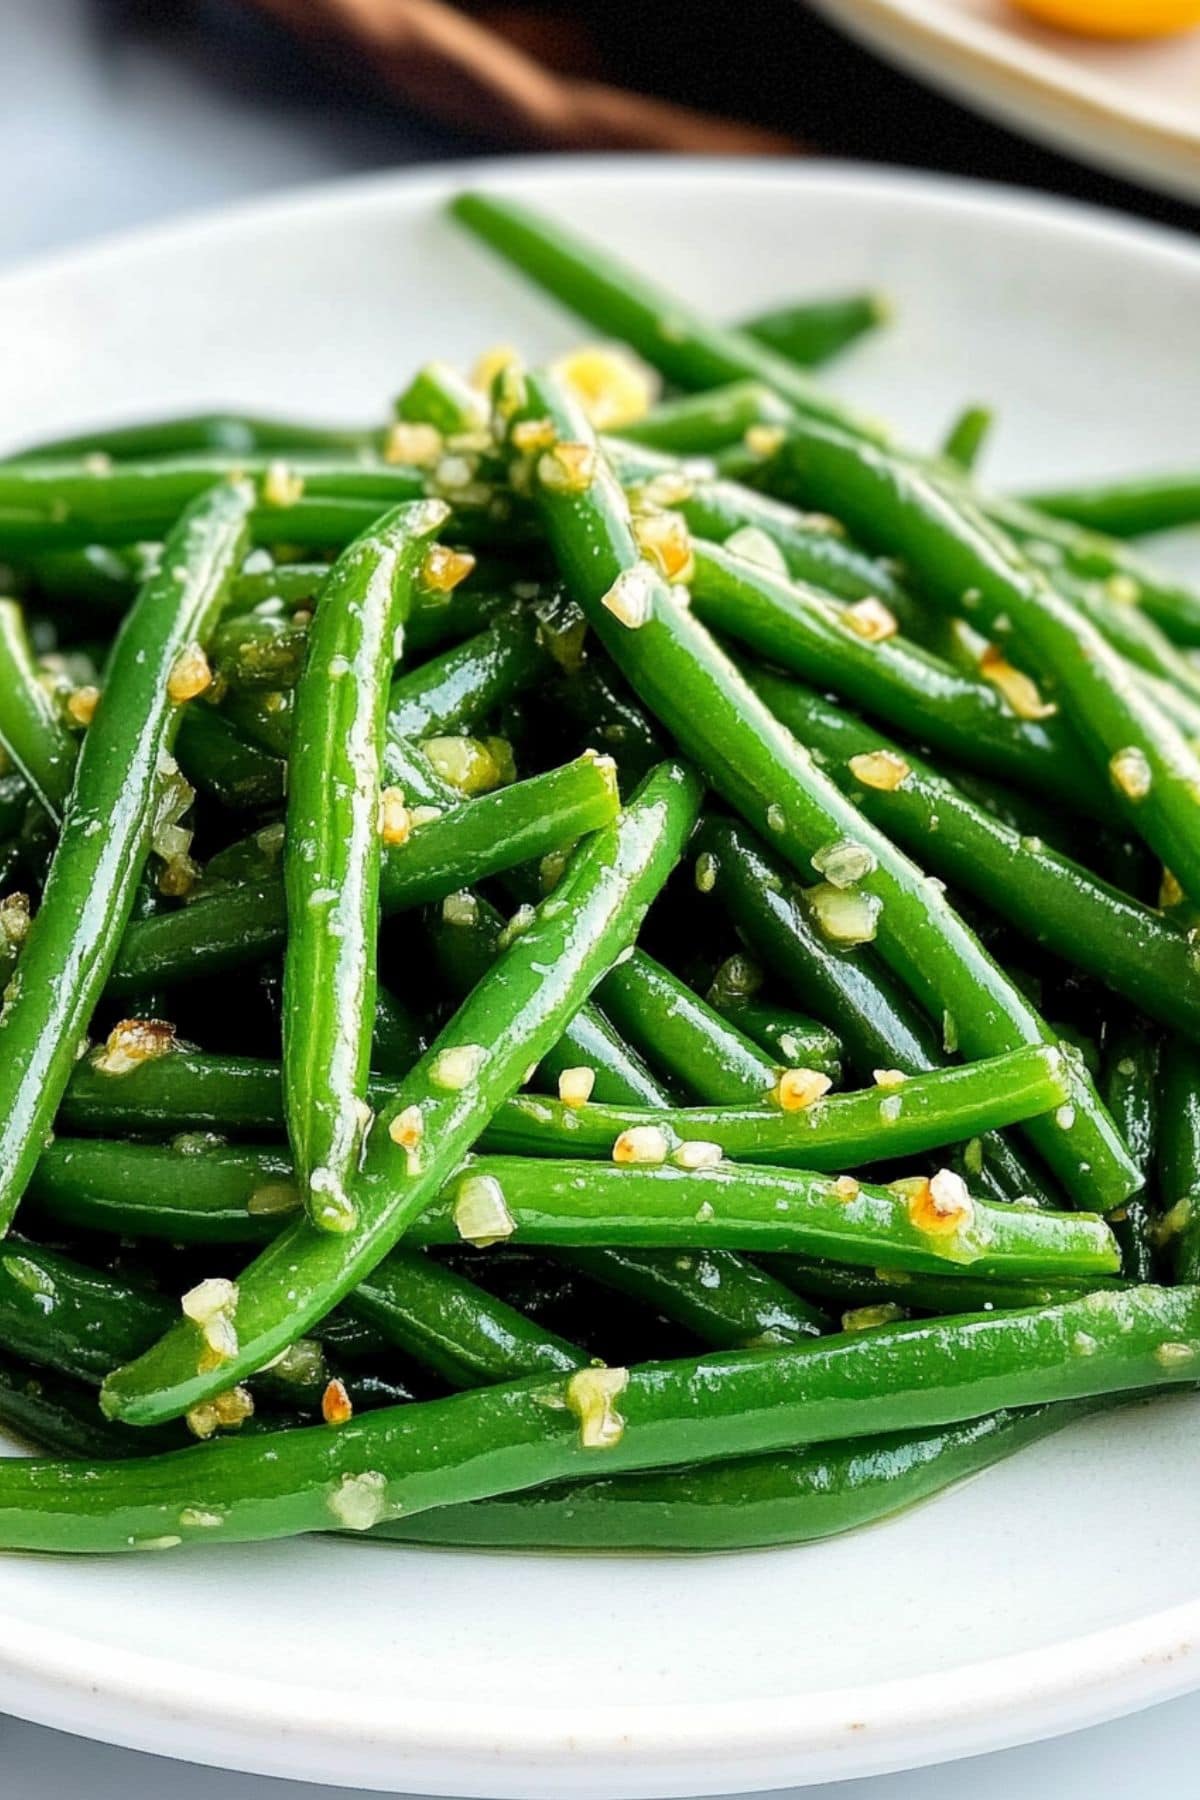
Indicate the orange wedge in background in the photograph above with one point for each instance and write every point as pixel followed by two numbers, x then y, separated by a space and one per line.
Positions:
pixel 1115 18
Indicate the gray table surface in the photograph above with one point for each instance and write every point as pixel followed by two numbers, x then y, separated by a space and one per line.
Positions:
pixel 116 113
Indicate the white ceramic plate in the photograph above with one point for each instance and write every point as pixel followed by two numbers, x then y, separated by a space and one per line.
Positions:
pixel 1130 107
pixel 1057 1590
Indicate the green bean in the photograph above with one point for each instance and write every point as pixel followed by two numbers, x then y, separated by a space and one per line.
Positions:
pixel 696 424
pixel 294 584
pixel 810 332
pixel 466 684
pixel 477 839
pixel 1052 900
pixel 262 718
pixel 953 550
pixel 61 1417
pixel 397 1040
pixel 101 576
pixel 60 503
pixel 967 437
pixel 231 434
pixel 892 679
pixel 1179 1157
pixel 62 1315
pixel 74 939
pixel 1131 1078
pixel 719 1297
pixel 757 766
pixel 1134 507
pixel 840 1131
pixel 438 395
pixel 510 1020
pixel 622 304
pixel 455 1327
pixel 30 729
pixel 846 1288
pixel 521 1434
pixel 788 1037
pixel 682 1035
pixel 790 1497
pixel 218 760
pixel 333 853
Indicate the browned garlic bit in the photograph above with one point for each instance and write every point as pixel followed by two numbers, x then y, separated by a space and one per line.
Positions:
pixel 567 468
pixel 575 1086
pixel 481 1215
pixel 82 704
pixel 191 674
pixel 883 769
pixel 630 599
pixel 870 619
pixel 664 540
pixel 211 1305
pixel 224 1412
pixel 395 820
pixel 798 1089
pixel 336 1407
pixel 942 1206
pixel 591 1396
pixel 132 1043
pixel 846 1188
pixel 641 1144
pixel 1019 689
pixel 1131 772
pixel 442 569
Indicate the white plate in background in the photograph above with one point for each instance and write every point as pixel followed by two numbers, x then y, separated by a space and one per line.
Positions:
pixel 1132 107
pixel 1057 1590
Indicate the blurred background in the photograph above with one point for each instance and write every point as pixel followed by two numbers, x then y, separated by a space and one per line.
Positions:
pixel 118 112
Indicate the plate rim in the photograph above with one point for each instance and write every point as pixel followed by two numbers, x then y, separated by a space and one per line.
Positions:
pixel 1005 78
pixel 71 1682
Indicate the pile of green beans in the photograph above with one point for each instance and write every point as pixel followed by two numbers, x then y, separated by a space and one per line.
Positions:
pixel 574 868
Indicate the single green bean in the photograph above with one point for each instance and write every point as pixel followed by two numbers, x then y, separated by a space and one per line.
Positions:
pixel 721 1298
pixel 74 939
pixel 696 424
pixel 790 1497
pixel 683 1036
pixel 30 729
pixel 617 301
pixel 518 1435
pixel 1134 507
pixel 811 332
pixel 333 853
pixel 788 1037
pixel 899 1118
pixel 232 434
pixel 967 437
pixel 218 760
pixel 842 1287
pixel 1179 1157
pixel 1130 1088
pixel 454 1326
pixel 467 683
